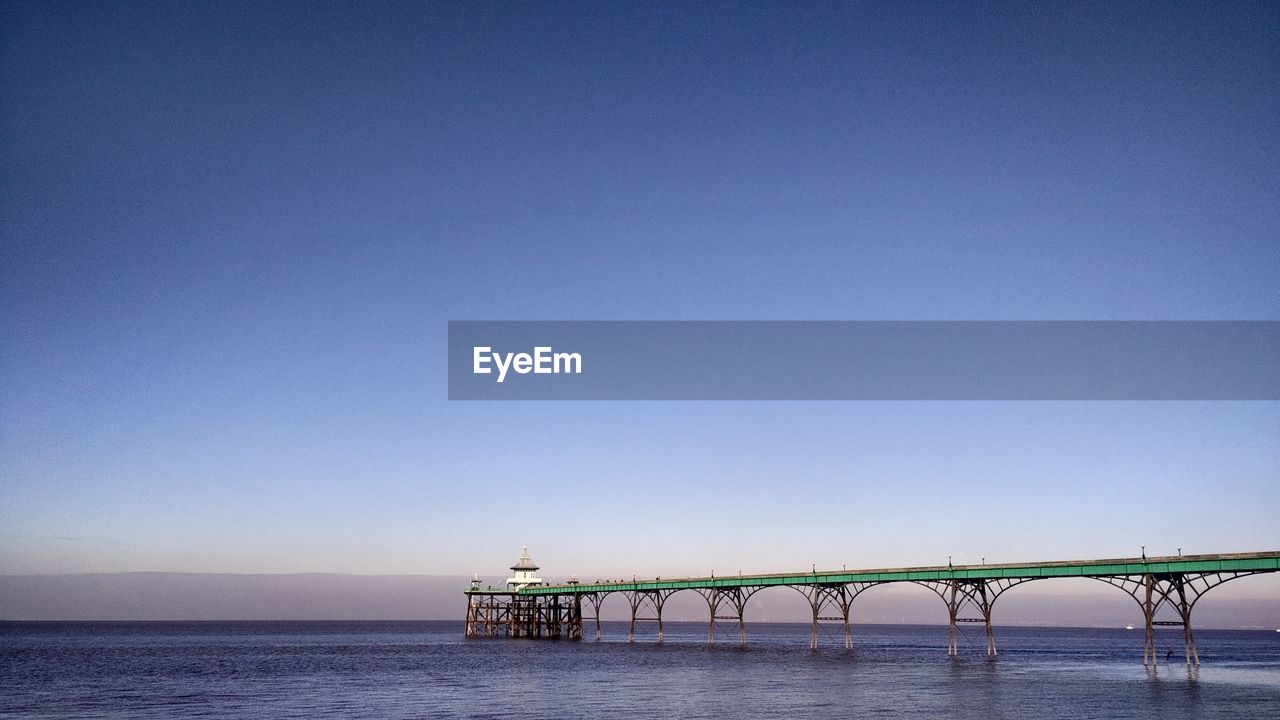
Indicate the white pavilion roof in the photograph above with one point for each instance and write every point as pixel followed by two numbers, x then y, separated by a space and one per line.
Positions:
pixel 525 562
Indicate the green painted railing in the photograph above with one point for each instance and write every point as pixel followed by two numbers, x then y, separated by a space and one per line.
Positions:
pixel 1236 562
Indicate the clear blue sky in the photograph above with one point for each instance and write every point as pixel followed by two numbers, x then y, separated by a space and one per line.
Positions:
pixel 231 236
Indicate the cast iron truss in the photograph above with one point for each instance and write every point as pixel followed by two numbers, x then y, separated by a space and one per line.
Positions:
pixel 1165 588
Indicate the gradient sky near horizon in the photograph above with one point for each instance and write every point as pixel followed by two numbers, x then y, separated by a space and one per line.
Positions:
pixel 231 236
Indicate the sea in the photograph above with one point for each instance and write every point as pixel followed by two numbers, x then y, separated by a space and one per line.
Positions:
pixel 428 670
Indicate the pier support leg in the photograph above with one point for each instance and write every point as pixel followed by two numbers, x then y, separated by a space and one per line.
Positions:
pixel 953 607
pixel 522 618
pixel 1158 592
pixel 654 600
pixel 1176 591
pixel 473 617
pixel 594 600
pixel 726 604
pixel 575 618
pixel 488 614
pixel 830 603
pixel 1148 616
pixel 1189 639
pixel 985 605
pixel 978 596
pixel 498 619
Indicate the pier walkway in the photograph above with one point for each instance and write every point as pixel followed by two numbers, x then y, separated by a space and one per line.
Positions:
pixel 1166 589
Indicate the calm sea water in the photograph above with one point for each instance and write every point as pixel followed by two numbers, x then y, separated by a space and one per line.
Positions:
pixel 427 670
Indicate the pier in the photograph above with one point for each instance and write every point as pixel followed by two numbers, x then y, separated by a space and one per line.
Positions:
pixel 1165 588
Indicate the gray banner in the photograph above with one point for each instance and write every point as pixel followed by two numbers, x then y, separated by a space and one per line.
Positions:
pixel 864 360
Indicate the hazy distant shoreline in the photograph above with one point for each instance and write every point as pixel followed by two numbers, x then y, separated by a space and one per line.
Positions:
pixel 320 597
pixel 610 624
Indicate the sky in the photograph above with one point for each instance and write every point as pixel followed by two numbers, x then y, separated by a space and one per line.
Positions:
pixel 232 236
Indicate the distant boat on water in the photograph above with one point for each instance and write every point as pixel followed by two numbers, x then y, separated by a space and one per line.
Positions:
pixel 1130 627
